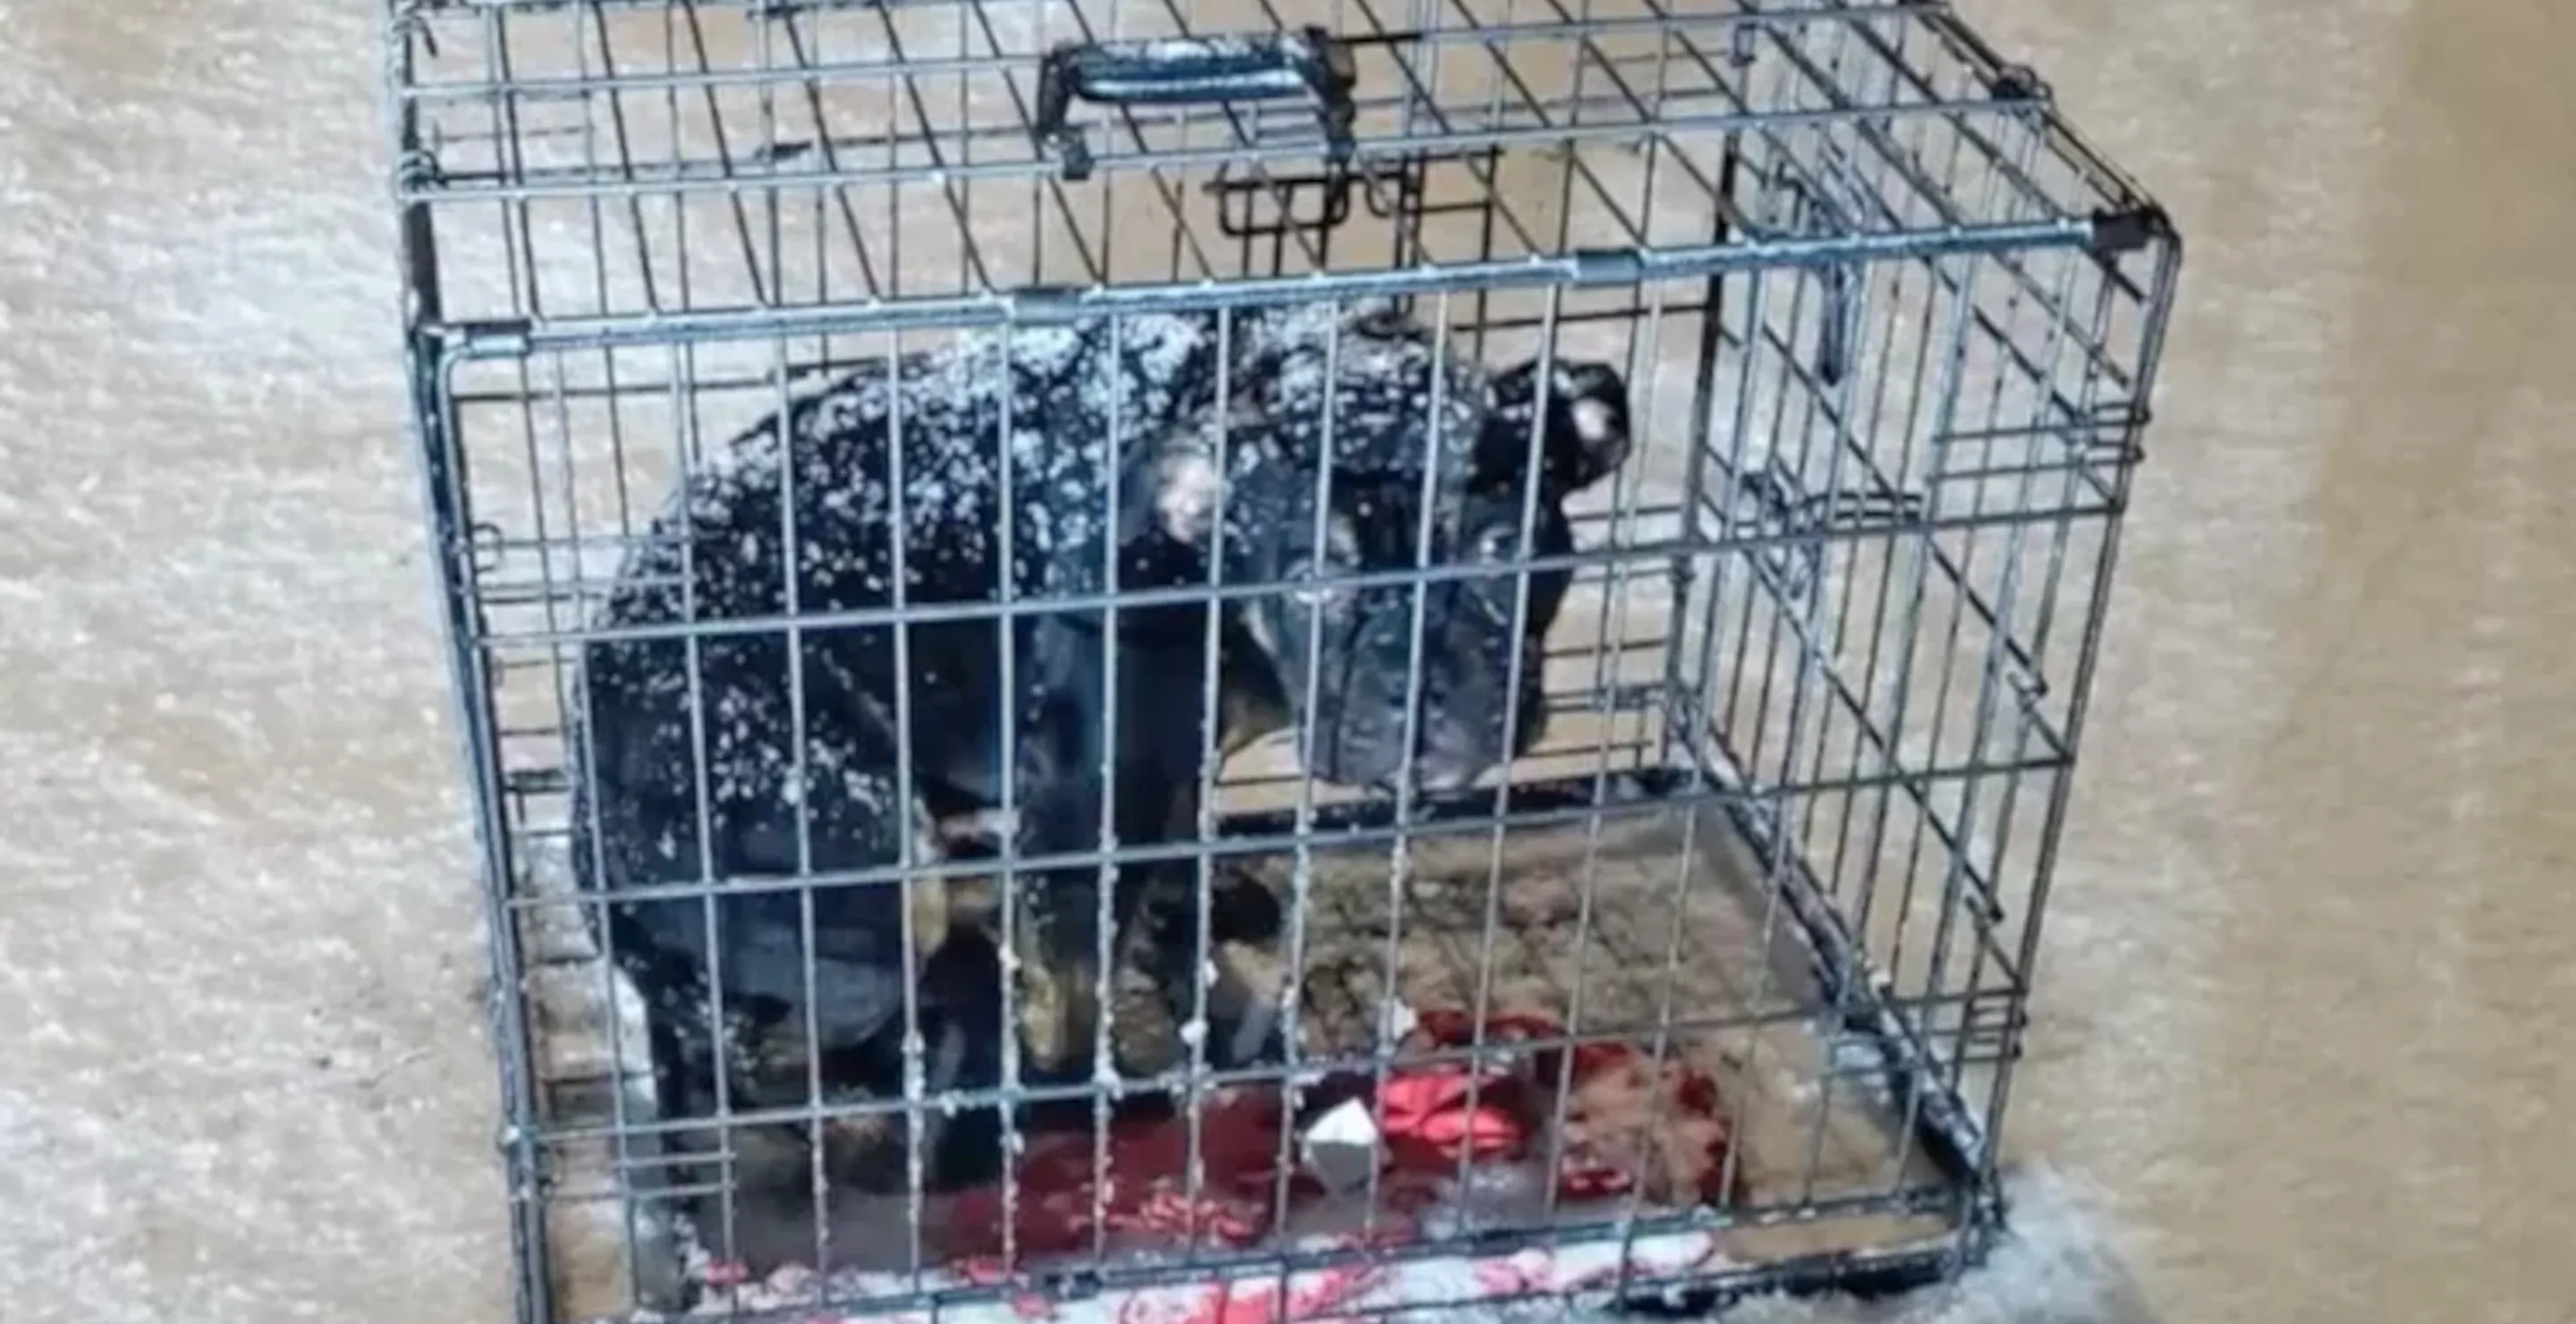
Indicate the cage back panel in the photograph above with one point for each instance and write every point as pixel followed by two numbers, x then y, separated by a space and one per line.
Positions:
pixel 1889 326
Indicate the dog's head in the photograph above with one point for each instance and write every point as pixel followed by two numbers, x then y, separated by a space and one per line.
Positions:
pixel 1364 445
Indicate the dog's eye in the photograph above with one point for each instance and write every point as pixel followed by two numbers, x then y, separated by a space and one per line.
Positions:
pixel 1497 544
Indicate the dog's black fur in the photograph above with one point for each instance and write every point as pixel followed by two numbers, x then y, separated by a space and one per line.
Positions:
pixel 1050 391
pixel 1418 437
pixel 717 557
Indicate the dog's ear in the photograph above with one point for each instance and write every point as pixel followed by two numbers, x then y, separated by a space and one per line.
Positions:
pixel 1587 430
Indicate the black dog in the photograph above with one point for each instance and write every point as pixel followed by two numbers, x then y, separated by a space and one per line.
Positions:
pixel 1432 464
pixel 1062 397
pixel 662 716
pixel 1430 467
pixel 756 954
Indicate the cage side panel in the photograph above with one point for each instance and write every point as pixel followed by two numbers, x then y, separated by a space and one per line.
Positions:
pixel 1897 672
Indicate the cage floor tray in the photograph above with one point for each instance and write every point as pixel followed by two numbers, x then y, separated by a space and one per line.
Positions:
pixel 1681 931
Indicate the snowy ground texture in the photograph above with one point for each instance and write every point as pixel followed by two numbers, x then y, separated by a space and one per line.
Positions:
pixel 2284 1041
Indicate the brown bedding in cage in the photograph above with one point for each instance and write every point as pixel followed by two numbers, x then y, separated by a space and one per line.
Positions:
pixel 1679 957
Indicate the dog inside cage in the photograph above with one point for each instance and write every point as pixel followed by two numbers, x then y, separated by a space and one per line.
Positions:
pixel 1354 657
pixel 1301 450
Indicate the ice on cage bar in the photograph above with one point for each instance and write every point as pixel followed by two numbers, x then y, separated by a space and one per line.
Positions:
pixel 1396 1022
pixel 1342 1147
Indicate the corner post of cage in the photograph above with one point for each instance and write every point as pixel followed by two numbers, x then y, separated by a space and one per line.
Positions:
pixel 429 360
pixel 2147 228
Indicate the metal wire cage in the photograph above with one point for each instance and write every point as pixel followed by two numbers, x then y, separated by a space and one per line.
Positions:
pixel 1885 329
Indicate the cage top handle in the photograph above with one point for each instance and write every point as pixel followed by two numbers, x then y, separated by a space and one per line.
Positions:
pixel 1215 70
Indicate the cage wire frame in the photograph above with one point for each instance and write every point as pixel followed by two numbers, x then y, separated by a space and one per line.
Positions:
pixel 1890 322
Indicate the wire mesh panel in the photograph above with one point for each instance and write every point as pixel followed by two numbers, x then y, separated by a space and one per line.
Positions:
pixel 1212 656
